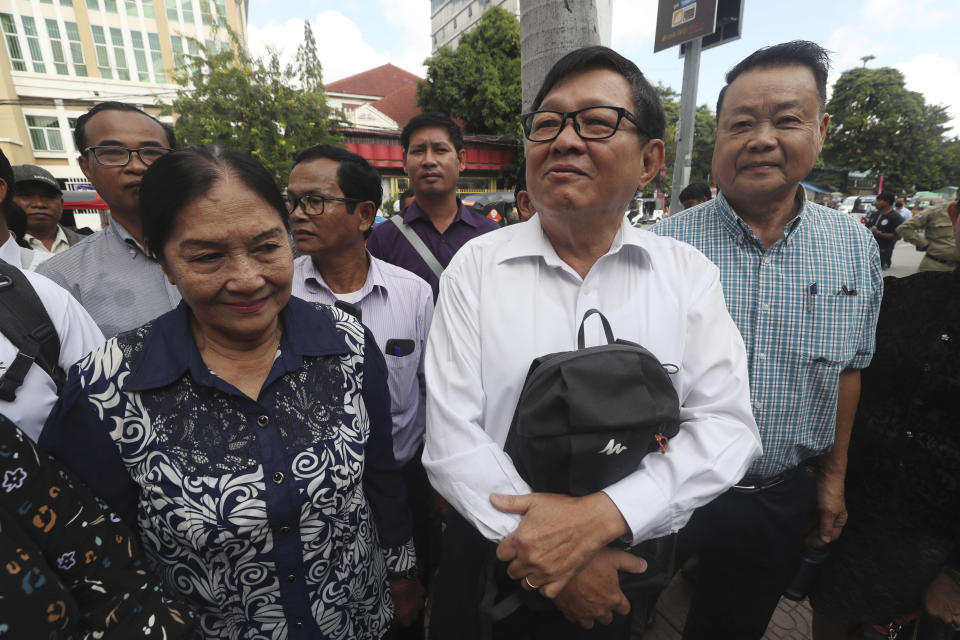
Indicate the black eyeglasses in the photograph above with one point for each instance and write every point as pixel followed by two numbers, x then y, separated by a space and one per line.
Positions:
pixel 110 156
pixel 313 204
pixel 591 123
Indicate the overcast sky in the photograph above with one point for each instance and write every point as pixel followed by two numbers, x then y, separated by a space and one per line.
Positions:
pixel 919 37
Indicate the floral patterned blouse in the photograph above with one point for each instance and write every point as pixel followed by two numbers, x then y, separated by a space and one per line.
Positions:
pixel 69 568
pixel 279 517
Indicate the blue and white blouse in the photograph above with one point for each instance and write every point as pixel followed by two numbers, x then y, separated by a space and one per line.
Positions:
pixel 279 517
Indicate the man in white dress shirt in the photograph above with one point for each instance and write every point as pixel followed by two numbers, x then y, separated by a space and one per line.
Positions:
pixel 593 139
pixel 333 196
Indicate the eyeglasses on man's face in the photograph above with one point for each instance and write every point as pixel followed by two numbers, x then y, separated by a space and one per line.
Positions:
pixel 313 204
pixel 591 123
pixel 111 156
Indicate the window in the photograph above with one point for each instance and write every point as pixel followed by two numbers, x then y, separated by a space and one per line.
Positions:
pixel 470 11
pixel 33 44
pixel 93 4
pixel 172 10
pixel 13 42
pixel 193 47
pixel 59 60
pixel 176 42
pixel 44 133
pixel 205 15
pixel 140 55
pixel 132 8
pixel 148 11
pixel 100 46
pixel 221 17
pixel 187 7
pixel 156 55
pixel 119 54
pixel 72 124
pixel 76 49
pixel 111 5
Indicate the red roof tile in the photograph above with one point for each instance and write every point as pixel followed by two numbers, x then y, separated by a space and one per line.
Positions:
pixel 379 81
pixel 400 105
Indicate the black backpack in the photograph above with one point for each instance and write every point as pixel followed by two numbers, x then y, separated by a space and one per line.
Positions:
pixel 25 323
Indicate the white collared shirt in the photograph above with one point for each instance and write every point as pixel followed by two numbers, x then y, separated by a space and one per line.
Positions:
pixel 78 335
pixel 21 257
pixel 60 243
pixel 396 305
pixel 507 298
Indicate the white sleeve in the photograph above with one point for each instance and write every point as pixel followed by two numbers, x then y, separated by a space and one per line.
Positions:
pixel 464 464
pixel 718 437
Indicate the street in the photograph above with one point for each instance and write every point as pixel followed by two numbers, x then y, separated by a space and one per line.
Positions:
pixel 905 260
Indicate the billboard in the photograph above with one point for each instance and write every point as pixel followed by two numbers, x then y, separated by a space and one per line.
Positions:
pixel 680 21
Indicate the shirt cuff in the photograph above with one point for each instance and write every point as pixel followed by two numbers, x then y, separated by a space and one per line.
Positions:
pixel 644 506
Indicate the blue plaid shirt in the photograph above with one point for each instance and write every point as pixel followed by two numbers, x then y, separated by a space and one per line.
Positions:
pixel 807 309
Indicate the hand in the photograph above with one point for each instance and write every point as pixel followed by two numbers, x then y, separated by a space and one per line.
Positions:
pixel 832 507
pixel 557 536
pixel 408 596
pixel 593 595
pixel 942 599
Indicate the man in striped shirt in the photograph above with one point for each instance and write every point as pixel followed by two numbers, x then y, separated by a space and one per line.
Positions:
pixel 803 284
pixel 333 196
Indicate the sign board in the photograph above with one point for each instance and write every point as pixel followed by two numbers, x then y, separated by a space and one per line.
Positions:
pixel 729 25
pixel 680 21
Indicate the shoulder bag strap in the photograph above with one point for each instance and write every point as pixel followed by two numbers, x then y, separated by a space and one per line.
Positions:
pixel 418 245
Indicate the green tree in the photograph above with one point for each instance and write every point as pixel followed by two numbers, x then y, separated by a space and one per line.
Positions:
pixel 877 124
pixel 253 104
pixel 705 123
pixel 479 81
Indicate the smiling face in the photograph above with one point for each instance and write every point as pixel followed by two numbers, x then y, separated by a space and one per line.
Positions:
pixel 42 205
pixel 769 133
pixel 120 186
pixel 337 229
pixel 573 176
pixel 229 256
pixel 432 163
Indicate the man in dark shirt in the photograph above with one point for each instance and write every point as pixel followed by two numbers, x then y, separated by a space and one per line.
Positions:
pixel 433 157
pixel 884 227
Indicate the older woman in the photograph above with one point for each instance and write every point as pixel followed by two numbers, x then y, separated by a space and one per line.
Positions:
pixel 246 433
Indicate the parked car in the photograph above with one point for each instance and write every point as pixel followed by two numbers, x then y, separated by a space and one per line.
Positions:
pixel 864 204
pixel 846 206
pixel 496 205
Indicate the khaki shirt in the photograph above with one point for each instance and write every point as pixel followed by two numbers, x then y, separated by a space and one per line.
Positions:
pixel 937 239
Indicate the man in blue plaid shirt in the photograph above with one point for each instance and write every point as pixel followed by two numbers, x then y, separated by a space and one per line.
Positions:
pixel 803 283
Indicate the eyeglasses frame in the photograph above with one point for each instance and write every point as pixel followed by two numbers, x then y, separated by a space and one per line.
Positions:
pixel 526 121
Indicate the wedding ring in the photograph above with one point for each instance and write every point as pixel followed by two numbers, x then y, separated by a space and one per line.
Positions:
pixel 532 586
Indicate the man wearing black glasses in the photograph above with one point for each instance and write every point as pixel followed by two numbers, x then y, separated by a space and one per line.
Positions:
pixel 594 137
pixel 110 273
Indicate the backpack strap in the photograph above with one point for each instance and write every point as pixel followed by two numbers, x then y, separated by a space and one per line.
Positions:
pixel 25 323
pixel 606 327
pixel 418 245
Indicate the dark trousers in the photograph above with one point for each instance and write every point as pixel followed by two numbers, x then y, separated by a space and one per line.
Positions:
pixel 471 582
pixel 749 546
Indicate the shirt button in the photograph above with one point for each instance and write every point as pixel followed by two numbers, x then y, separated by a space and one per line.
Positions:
pixel 278 477
pixel 298 625
pixel 263 421
pixel 761 356
pixel 285 530
pixel 133 252
pixel 764 306
pixel 756 405
pixel 291 578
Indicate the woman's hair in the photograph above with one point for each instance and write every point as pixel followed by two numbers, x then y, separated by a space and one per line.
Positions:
pixel 180 177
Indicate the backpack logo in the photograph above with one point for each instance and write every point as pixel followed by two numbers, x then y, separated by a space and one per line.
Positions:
pixel 612 448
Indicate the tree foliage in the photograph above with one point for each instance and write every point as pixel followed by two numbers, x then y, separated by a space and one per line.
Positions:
pixel 253 104
pixel 705 123
pixel 877 124
pixel 479 81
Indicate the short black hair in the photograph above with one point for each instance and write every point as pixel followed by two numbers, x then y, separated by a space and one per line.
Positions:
pixel 646 101
pixel 887 196
pixel 180 177
pixel 698 191
pixel 6 174
pixel 796 52
pixel 79 131
pixel 356 177
pixel 432 119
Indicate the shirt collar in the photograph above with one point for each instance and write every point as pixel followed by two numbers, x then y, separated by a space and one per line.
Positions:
pixel 125 236
pixel 169 349
pixel 464 214
pixel 375 280
pixel 10 252
pixel 529 240
pixel 37 243
pixel 743 234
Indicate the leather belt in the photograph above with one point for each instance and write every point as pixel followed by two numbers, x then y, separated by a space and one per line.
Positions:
pixel 756 484
pixel 949 263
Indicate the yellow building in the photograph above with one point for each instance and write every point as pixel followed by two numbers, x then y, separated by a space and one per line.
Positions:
pixel 60 57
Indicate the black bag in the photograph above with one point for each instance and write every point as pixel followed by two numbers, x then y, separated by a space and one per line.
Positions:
pixel 586 419
pixel 25 323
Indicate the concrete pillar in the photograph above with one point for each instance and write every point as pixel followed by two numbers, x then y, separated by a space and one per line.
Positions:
pixel 549 29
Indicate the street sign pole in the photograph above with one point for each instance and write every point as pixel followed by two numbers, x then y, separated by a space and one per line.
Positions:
pixel 688 107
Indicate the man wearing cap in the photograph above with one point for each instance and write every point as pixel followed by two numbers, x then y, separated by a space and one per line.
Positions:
pixel 40 197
